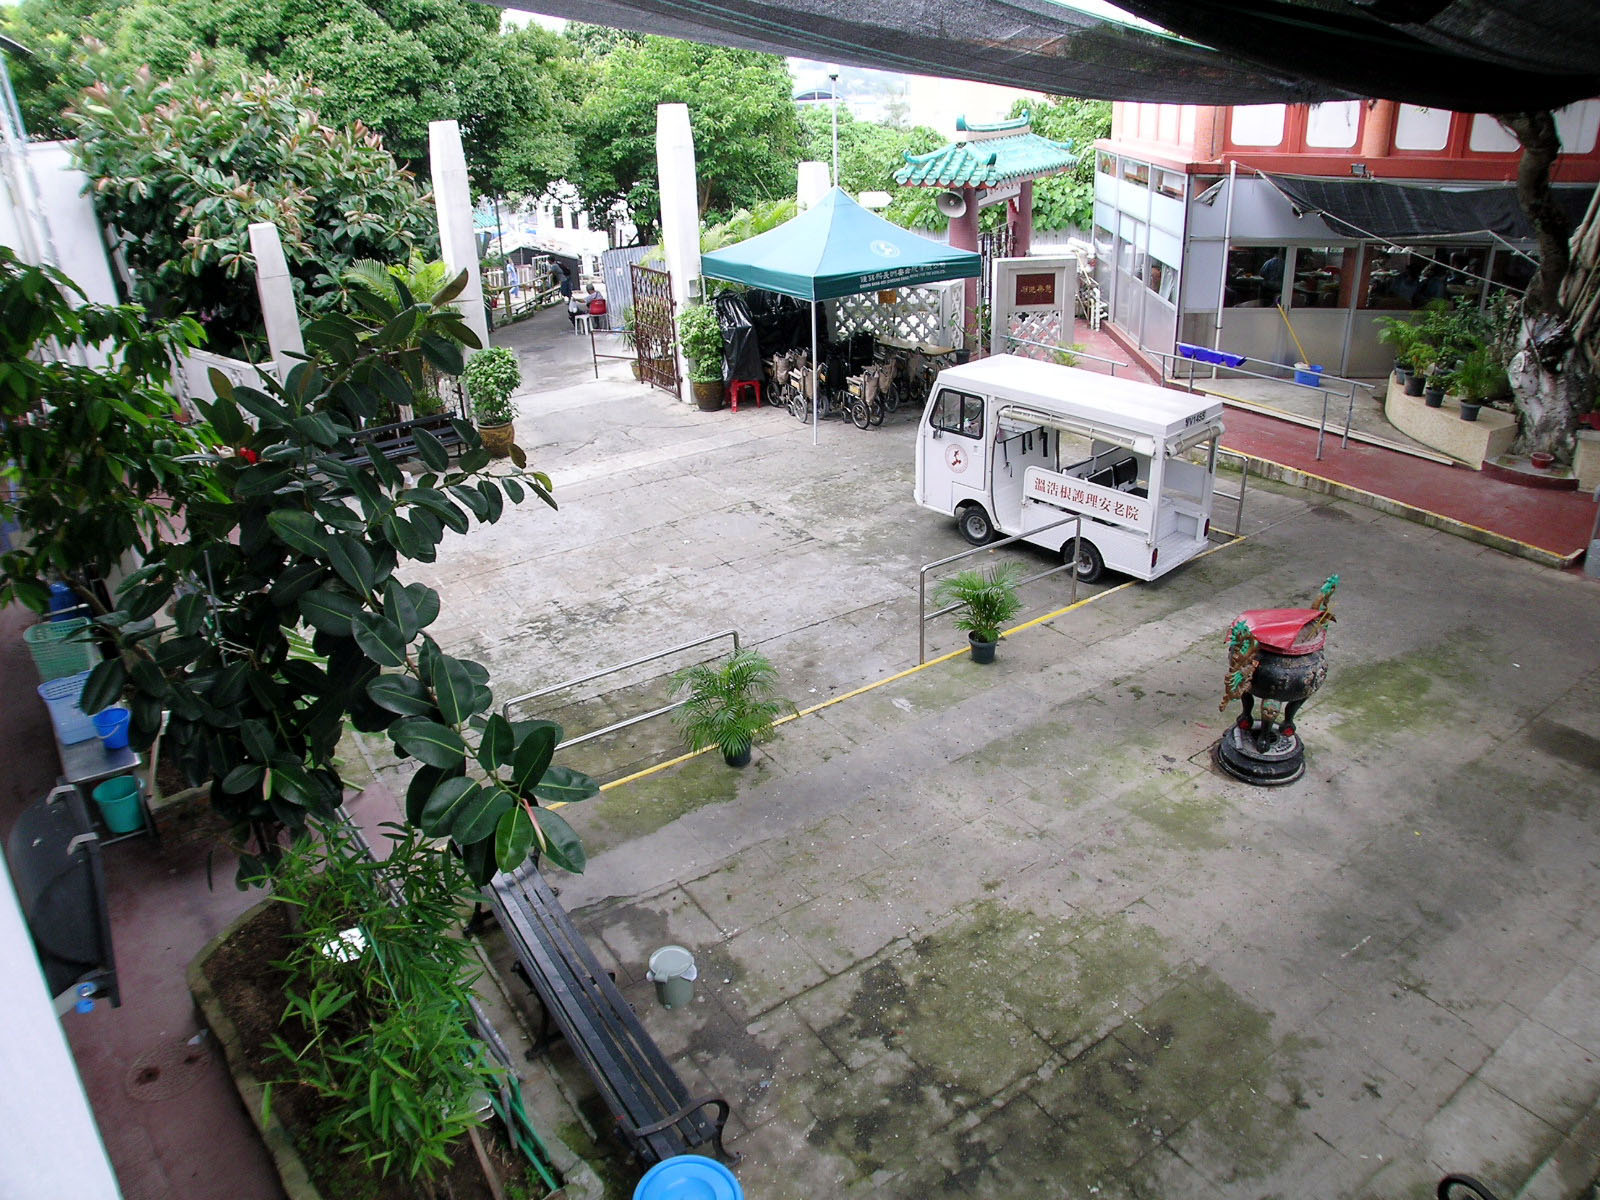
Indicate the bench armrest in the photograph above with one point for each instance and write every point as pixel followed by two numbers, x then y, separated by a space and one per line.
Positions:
pixel 721 1119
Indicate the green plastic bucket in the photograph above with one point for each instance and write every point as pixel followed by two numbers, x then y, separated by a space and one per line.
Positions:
pixel 119 804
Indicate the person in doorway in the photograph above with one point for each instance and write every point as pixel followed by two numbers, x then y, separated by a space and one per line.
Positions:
pixel 1272 279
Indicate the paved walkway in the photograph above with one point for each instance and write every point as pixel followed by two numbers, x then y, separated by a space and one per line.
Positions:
pixel 1001 931
pixel 1554 522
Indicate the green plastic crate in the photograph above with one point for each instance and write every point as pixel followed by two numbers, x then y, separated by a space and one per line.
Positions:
pixel 54 652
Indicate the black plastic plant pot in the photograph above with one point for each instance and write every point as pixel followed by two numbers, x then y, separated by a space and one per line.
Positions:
pixel 1469 412
pixel 982 652
pixel 1433 397
pixel 741 759
pixel 1414 384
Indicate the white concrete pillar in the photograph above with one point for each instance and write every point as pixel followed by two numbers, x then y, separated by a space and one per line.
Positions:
pixel 813 184
pixel 275 288
pixel 452 200
pixel 680 212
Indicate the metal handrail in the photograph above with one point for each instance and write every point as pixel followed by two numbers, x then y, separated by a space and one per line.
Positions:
pixel 1322 426
pixel 1110 362
pixel 923 616
pixel 505 709
pixel 1244 479
pixel 595 353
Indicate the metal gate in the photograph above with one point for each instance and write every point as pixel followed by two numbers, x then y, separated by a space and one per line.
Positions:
pixel 655 332
pixel 991 246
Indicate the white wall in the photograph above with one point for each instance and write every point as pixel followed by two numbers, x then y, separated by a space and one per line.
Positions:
pixel 70 231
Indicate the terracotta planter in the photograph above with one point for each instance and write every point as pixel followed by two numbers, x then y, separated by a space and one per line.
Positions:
pixel 638 371
pixel 707 396
pixel 498 439
pixel 1541 459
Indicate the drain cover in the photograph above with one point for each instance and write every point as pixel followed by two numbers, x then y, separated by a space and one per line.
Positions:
pixel 168 1070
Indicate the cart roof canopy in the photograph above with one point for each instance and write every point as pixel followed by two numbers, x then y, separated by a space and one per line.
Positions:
pixel 838 248
pixel 1088 400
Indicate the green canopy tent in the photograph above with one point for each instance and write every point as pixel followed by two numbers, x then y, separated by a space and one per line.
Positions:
pixel 837 248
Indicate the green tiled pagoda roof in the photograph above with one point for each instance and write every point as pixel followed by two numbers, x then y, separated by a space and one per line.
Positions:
pixel 988 161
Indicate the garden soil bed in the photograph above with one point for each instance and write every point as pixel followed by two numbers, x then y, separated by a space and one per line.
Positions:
pixel 240 992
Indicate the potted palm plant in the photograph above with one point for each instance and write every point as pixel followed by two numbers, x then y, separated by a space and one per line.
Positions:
pixel 1423 356
pixel 702 346
pixel 1401 334
pixel 984 601
pixel 730 706
pixel 490 378
pixel 1479 377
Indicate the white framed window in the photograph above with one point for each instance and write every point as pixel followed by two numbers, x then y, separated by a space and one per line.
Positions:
pixel 1418 128
pixel 1577 125
pixel 1257 125
pixel 1334 125
pixel 1491 137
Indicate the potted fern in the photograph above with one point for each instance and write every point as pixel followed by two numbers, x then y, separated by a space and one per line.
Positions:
pixel 490 378
pixel 984 601
pixel 702 346
pixel 730 706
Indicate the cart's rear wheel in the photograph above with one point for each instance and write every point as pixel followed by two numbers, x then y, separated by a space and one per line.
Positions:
pixel 975 524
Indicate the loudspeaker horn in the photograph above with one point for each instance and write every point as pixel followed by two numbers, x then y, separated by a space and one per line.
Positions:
pixel 951 204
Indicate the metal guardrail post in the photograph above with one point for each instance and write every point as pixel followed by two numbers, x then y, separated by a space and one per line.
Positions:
pixel 1244 481
pixel 1013 339
pixel 505 708
pixel 923 616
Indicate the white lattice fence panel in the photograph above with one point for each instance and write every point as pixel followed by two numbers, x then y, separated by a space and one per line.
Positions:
pixel 920 314
pixel 1033 333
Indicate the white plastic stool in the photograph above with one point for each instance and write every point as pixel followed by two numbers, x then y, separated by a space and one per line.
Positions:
pixel 582 323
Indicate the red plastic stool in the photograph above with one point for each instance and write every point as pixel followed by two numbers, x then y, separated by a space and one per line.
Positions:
pixel 744 385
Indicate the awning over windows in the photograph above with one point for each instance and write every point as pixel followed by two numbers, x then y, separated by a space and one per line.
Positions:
pixel 1399 213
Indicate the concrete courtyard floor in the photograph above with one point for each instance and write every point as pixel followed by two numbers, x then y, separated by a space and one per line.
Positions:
pixel 1004 931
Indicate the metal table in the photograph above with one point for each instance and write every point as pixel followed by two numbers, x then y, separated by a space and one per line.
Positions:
pixel 86 763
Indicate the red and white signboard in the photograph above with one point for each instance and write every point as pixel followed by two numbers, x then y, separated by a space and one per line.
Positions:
pixel 1079 495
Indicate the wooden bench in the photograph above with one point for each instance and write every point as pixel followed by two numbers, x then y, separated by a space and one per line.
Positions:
pixel 654 1111
pixel 399 440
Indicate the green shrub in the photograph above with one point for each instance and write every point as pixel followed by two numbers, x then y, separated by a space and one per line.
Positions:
pixel 985 600
pixel 730 706
pixel 702 343
pixel 491 376
pixel 180 169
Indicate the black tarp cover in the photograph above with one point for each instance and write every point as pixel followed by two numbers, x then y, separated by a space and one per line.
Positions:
pixel 1408 213
pixel 1468 55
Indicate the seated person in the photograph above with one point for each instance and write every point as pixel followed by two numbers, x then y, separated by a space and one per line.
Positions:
pixel 596 305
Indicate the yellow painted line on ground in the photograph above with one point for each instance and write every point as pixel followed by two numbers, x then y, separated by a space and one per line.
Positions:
pixel 1427 512
pixel 888 679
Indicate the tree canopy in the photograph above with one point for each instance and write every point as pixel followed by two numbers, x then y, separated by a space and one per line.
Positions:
pixel 869 152
pixel 746 133
pixel 394 66
pixel 181 168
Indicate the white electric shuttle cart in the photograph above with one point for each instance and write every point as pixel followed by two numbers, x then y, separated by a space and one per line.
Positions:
pixel 1013 444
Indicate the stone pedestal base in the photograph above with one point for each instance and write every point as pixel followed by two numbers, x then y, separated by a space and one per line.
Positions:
pixel 1282 762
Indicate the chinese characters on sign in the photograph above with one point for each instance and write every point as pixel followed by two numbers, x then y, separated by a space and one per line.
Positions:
pixel 1106 503
pixel 1036 290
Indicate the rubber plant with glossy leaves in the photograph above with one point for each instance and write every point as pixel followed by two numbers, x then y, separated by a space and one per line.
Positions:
pixel 302 530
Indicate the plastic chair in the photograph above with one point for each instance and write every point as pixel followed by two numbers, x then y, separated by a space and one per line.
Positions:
pixel 582 323
pixel 739 386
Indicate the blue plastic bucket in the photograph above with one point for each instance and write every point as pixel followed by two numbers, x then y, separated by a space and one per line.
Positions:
pixel 119 804
pixel 688 1177
pixel 112 726
pixel 1307 375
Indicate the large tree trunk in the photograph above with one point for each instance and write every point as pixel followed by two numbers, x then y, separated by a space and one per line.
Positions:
pixel 1550 374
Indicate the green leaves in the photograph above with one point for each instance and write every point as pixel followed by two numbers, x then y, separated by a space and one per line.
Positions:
pixel 400 694
pixel 532 756
pixel 429 742
pixel 380 639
